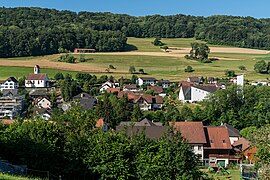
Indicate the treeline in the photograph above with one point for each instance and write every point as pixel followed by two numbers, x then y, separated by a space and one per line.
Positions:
pixel 37 31
pixel 29 41
pixel 72 148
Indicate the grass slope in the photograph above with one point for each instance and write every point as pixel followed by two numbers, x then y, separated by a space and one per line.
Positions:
pixel 162 67
pixel 10 177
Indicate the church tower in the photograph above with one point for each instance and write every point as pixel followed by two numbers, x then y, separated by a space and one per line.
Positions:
pixel 36 69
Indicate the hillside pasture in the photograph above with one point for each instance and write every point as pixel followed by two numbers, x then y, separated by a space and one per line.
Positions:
pixel 154 61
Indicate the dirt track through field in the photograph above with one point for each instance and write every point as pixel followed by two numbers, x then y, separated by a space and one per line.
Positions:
pixel 48 61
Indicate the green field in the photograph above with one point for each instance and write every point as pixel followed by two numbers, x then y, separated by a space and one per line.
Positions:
pixel 161 67
pixel 18 72
pixel 10 177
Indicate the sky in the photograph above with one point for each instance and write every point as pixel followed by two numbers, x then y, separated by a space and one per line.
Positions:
pixel 254 8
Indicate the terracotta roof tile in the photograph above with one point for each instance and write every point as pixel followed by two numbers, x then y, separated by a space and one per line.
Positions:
pixel 193 132
pixel 242 142
pixel 156 89
pixel 36 76
pixel 217 137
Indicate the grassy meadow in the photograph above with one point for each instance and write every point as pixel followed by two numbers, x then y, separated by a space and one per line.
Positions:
pixel 162 67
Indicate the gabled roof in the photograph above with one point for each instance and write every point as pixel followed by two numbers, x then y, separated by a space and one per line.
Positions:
pixel 217 137
pixel 148 78
pixel 130 86
pixel 150 99
pixel 152 132
pixel 193 132
pixel 156 89
pixel 36 77
pixel 194 79
pixel 38 93
pixel 112 90
pixel 233 132
pixel 164 81
pixel 10 92
pixel 144 122
pixel 12 79
pixel 243 143
pixel 187 92
pixel 208 87
pixel 85 100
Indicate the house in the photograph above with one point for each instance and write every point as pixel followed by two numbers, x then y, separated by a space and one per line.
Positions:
pixel 37 93
pixel 195 80
pixel 164 83
pixel 244 147
pixel 131 87
pixel 9 84
pixel 146 80
pixel 234 134
pixel 194 93
pixel 43 103
pixel 260 83
pixel 108 84
pixel 218 149
pixel 85 100
pixel 156 89
pixel 44 113
pixel 194 133
pixel 146 101
pixel 9 92
pixel 37 80
pixel 10 106
pixel 211 80
pixel 113 90
pixel 145 122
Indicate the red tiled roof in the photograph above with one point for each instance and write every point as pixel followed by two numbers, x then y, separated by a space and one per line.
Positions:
pixel 156 89
pixel 36 76
pixel 150 99
pixel 217 137
pixel 193 132
pixel 99 123
pixel 111 90
pixel 243 142
pixel 130 86
pixel 7 121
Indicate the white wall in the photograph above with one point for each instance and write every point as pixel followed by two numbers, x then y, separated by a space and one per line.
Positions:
pixel 44 103
pixel 181 96
pixel 198 94
pixel 233 139
pixel 37 83
pixel 197 150
pixel 9 85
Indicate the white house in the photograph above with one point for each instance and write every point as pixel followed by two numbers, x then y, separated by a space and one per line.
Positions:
pixel 44 103
pixel 108 85
pixel 164 83
pixel 148 102
pixel 10 106
pixel 194 133
pixel 36 80
pixel 145 80
pixel 10 84
pixel 193 93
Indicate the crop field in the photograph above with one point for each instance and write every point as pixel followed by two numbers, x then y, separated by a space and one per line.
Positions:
pixel 144 55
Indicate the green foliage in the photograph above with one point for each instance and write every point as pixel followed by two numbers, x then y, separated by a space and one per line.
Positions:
pixel 261 67
pixel 63 31
pixel 230 73
pixel 132 70
pixel 242 68
pixel 59 76
pixel 67 58
pixel 189 69
pixel 157 42
pixel 248 132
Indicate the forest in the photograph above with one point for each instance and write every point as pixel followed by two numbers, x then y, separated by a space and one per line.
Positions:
pixel 37 31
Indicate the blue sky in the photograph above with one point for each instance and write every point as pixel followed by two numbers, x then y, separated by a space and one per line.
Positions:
pixel 254 8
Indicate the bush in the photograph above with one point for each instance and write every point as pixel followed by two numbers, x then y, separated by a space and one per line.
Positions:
pixel 230 73
pixel 189 69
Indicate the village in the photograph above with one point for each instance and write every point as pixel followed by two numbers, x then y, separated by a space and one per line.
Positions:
pixel 215 146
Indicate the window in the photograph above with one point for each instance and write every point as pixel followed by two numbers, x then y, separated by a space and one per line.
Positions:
pixel 224 141
pixel 211 141
pixel 199 147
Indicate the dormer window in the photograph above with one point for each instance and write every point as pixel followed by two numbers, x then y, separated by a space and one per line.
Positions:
pixel 224 141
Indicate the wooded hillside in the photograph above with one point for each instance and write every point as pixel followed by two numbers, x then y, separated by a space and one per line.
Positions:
pixel 37 31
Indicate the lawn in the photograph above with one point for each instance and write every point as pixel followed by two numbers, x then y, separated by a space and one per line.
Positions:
pixel 235 175
pixel 18 72
pixel 10 177
pixel 162 67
